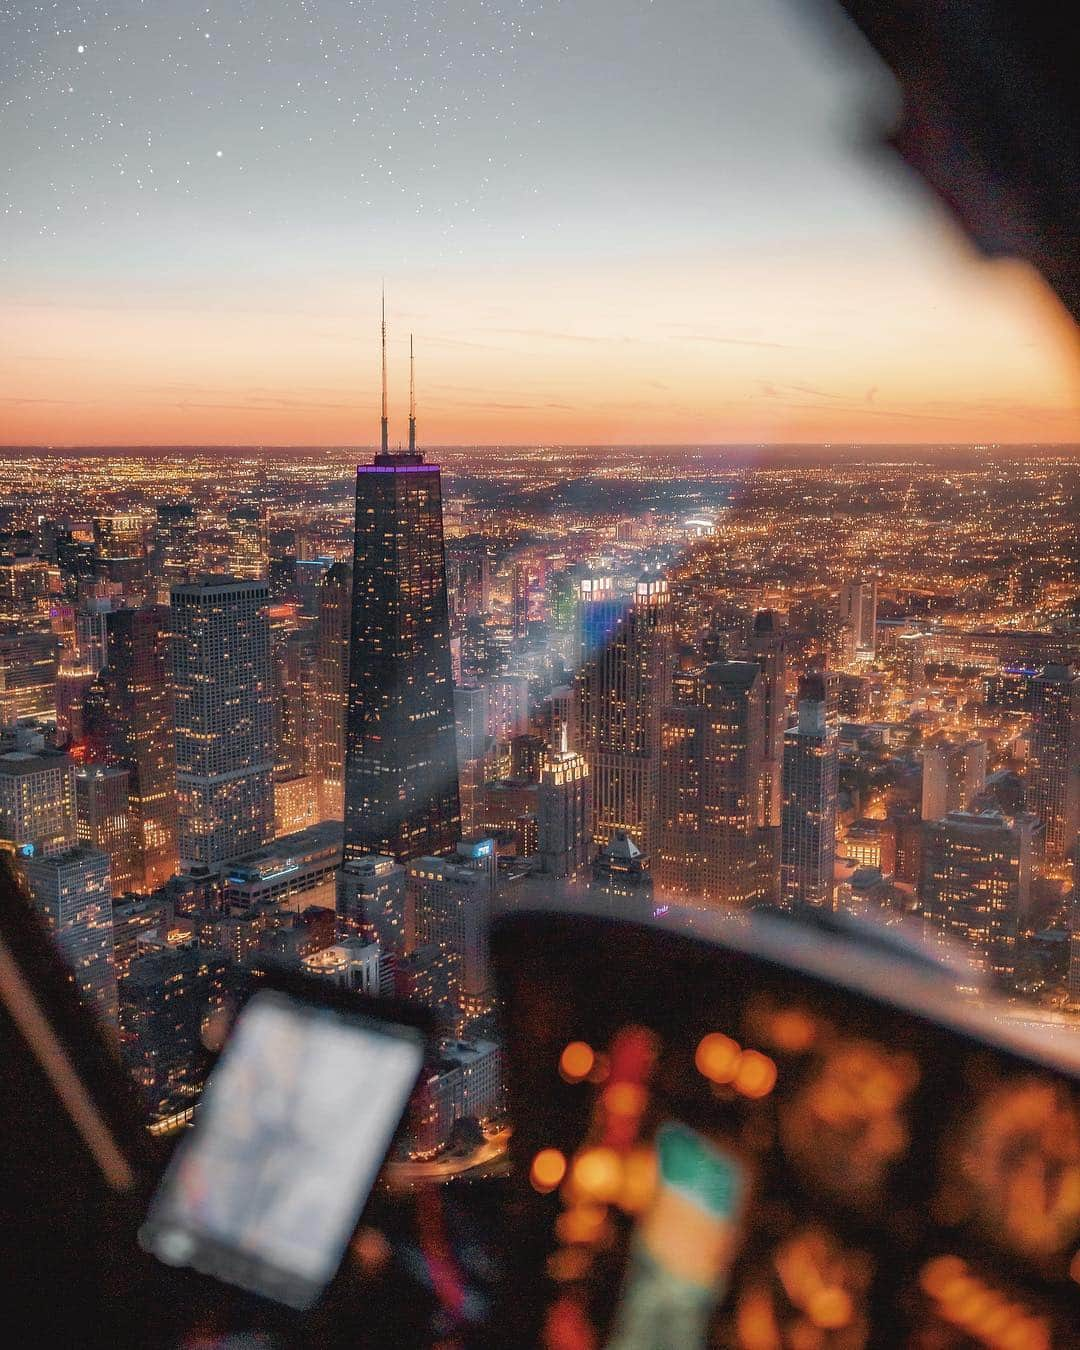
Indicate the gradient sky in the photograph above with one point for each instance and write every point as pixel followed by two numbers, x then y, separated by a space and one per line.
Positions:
pixel 607 221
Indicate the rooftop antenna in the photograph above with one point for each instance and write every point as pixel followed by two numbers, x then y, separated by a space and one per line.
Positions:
pixel 412 401
pixel 385 422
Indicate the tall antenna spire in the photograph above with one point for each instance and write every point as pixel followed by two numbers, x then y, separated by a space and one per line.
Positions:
pixel 385 421
pixel 412 402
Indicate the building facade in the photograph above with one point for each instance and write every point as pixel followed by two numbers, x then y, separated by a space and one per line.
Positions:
pixel 224 753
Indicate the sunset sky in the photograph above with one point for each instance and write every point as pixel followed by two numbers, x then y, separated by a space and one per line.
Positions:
pixel 606 222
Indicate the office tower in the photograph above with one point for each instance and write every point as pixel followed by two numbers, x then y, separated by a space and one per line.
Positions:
pixel 335 620
pixel 563 814
pixel 621 690
pixel 172 549
pixel 71 890
pixel 371 901
pixel 72 684
pixel 128 724
pixel 468 585
pixel 448 901
pixel 507 706
pixel 249 543
pixel 224 754
pixel 92 628
pixel 599 610
pixel 165 999
pixel 810 788
pixel 858 608
pixel 471 738
pixel 976 884
pixel 37 803
pixel 621 880
pixel 29 661
pixel 120 543
pixel 293 662
pixel 104 820
pixel 954 773
pixel 24 578
pixel 401 778
pixel 527 754
pixel 76 560
pixel 768 647
pixel 710 773
pixel 470 721
pixel 1054 769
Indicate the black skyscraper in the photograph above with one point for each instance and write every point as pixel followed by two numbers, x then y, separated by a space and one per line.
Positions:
pixel 401 780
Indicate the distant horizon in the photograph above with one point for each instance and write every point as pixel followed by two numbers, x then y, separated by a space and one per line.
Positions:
pixel 720 447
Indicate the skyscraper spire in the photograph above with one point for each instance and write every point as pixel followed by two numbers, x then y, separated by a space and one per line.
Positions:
pixel 412 401
pixel 385 421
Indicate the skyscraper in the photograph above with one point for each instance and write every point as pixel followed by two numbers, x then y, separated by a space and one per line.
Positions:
pixel 224 753
pixel 128 724
pixel 563 811
pixel 335 620
pixel 710 767
pixel 401 779
pixel 72 891
pixel 858 608
pixel 976 884
pixel 768 647
pixel 295 721
pixel 173 542
pixel 621 690
pixel 810 788
pixel 1054 772
pixel 104 820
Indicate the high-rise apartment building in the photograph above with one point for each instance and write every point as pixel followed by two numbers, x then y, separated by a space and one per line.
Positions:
pixel 104 820
pixel 810 790
pixel 127 719
pixel 563 814
pixel 401 776
pixel 976 884
pixel 1054 768
pixel 335 621
pixel 954 773
pixel 621 691
pixel 71 890
pixel 710 776
pixel 224 751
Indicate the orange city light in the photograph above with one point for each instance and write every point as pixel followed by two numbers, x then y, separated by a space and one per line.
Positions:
pixel 548 1169
pixel 576 1061
pixel 717 1057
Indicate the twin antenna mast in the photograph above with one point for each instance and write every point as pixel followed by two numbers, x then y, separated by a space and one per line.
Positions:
pixel 385 424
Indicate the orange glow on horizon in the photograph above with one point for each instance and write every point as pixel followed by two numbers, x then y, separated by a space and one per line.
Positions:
pixel 922 344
